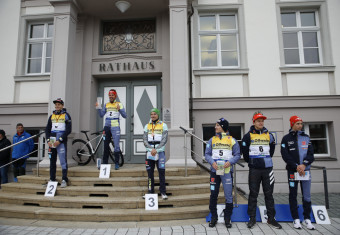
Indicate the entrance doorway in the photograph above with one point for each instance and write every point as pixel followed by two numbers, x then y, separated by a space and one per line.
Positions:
pixel 138 98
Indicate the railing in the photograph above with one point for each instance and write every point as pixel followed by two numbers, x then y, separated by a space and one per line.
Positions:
pixel 325 184
pixel 201 164
pixel 24 155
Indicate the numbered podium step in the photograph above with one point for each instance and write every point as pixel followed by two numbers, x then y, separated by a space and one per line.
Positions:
pixel 84 202
pixel 136 170
pixel 319 214
pixel 108 195
pixel 119 181
pixel 94 215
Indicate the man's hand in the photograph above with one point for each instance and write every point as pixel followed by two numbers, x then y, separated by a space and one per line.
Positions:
pixel 214 165
pixel 56 143
pixel 301 169
pixel 227 164
pixel 118 106
pixel 97 104
pixel 50 144
pixel 153 152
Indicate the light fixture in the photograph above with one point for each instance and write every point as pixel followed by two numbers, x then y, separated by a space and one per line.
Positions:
pixel 123 5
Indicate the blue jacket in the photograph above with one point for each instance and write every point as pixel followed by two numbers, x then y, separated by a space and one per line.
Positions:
pixel 257 162
pixel 235 152
pixel 23 148
pixel 296 149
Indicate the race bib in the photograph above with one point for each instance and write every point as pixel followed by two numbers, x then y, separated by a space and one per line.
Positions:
pixel 259 150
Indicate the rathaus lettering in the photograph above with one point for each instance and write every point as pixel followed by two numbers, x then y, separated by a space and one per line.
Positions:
pixel 126 66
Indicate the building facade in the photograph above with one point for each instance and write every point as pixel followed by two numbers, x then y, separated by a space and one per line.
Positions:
pixel 195 60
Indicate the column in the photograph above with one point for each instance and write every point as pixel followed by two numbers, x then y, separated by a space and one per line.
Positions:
pixel 62 82
pixel 179 84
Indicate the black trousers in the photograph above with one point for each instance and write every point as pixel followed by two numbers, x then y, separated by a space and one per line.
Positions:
pixel 19 167
pixel 150 167
pixel 266 176
pixel 306 200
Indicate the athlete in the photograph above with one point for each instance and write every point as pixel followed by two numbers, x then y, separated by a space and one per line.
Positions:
pixel 258 147
pixel 222 151
pixel 58 127
pixel 112 110
pixel 155 138
pixel 297 152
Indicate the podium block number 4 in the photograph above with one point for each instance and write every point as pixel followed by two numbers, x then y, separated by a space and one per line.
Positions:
pixel 321 215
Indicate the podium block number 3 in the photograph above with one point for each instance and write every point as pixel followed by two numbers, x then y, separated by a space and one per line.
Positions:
pixel 151 202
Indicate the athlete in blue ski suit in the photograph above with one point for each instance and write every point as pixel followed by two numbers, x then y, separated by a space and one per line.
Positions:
pixel 297 152
pixel 112 110
pixel 224 148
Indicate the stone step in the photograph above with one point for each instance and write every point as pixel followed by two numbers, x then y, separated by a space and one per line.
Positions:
pixel 101 191
pixel 102 215
pixel 133 170
pixel 103 203
pixel 119 181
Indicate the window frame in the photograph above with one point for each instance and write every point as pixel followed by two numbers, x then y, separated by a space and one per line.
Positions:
pixel 300 30
pixel 41 142
pixel 218 32
pixel 36 41
pixel 306 129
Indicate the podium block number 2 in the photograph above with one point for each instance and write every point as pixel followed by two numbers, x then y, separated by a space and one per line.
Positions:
pixel 50 189
pixel 321 215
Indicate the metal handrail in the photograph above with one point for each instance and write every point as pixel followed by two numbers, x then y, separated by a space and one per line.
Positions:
pixel 200 164
pixel 324 169
pixel 24 155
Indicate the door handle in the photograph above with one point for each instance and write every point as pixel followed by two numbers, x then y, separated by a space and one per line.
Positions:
pixel 132 123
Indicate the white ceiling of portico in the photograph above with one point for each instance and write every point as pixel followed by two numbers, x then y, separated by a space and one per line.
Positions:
pixel 106 9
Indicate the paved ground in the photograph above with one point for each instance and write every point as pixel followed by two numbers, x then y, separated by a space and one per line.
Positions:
pixel 198 226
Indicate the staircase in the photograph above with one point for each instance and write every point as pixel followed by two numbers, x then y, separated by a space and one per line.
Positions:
pixel 117 199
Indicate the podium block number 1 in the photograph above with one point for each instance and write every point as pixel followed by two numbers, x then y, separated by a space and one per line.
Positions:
pixel 105 171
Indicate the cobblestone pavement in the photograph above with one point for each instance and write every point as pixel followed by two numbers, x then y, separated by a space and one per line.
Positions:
pixel 238 228
pixel 203 228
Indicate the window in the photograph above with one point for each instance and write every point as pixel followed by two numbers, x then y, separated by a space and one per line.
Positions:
pixel 39 48
pixel 319 137
pixel 129 36
pixel 218 39
pixel 301 37
pixel 39 143
pixel 235 130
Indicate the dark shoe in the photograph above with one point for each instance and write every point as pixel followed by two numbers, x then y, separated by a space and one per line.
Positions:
pixel 227 223
pixel 252 222
pixel 274 223
pixel 212 222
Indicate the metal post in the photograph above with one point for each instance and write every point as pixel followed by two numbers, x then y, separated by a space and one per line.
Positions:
pixel 325 186
pixel 185 152
pixel 38 165
pixel 235 187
